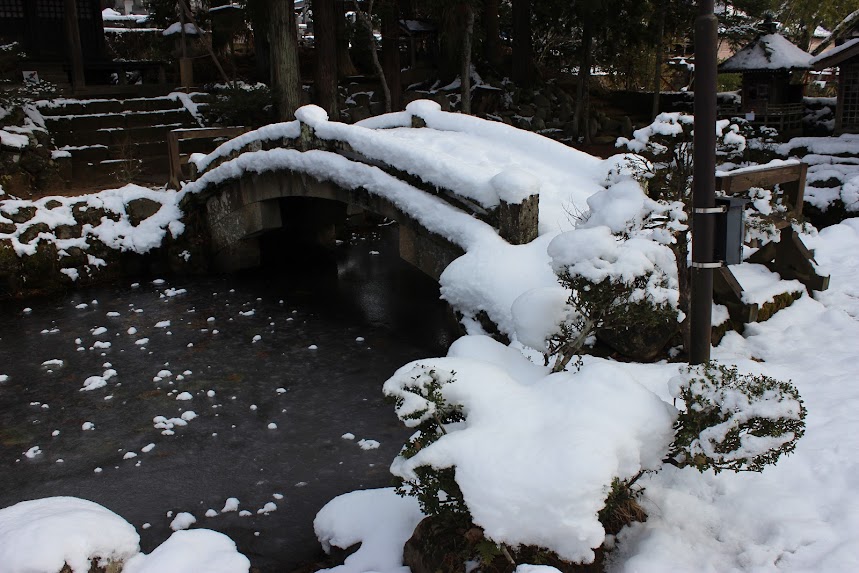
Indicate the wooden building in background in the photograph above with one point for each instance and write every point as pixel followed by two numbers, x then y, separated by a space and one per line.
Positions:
pixel 40 28
pixel 844 56
pixel 773 71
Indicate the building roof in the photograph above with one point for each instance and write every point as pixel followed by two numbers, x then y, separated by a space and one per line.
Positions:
pixel 845 30
pixel 836 55
pixel 768 52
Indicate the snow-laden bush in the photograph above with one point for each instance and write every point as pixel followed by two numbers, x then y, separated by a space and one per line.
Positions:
pixel 662 160
pixel 531 463
pixel 553 462
pixel 734 421
pixel 664 152
pixel 617 275
pixel 614 284
pixel 421 405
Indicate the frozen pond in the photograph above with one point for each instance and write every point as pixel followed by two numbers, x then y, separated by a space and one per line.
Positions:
pixel 256 379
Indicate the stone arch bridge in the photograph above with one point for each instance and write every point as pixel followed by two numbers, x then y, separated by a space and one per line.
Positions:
pixel 442 207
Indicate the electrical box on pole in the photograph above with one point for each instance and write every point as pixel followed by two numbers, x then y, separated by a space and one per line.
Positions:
pixel 730 230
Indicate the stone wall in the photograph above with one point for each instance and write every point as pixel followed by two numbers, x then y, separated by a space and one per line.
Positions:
pixel 56 243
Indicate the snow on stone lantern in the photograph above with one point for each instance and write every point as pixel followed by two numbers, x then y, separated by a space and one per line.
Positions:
pixel 773 72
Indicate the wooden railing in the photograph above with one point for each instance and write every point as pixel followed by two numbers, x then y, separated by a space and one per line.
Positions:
pixel 789 257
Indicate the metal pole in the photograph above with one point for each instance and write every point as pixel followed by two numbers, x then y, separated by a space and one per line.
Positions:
pixel 703 184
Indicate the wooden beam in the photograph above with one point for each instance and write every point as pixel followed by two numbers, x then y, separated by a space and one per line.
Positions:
pixel 731 184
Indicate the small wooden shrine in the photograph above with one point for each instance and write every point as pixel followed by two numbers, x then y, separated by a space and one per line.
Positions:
pixel 773 85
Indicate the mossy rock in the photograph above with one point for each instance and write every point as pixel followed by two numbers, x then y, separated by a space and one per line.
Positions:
pixel 86 215
pixel 17 183
pixel 31 232
pixel 440 547
pixel 22 215
pixel 779 302
pixel 36 160
pixel 40 271
pixel 64 232
pixel 141 209
pixel 10 269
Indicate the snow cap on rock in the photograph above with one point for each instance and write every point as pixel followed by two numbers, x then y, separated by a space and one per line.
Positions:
pixel 192 551
pixel 515 185
pixel 423 107
pixel 44 534
pixel 311 115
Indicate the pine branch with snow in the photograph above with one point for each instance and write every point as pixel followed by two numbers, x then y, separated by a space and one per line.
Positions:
pixel 733 421
pixel 420 404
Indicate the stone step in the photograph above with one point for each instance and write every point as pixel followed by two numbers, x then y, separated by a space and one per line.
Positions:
pixel 113 173
pixel 88 154
pixel 115 136
pixel 138 150
pixel 93 122
pixel 102 106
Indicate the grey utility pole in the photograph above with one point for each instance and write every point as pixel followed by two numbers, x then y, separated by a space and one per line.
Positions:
pixel 703 184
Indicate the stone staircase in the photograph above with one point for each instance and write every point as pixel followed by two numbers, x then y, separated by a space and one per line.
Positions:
pixel 115 141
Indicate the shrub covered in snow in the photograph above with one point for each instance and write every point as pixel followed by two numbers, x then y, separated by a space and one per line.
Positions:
pixel 614 284
pixel 618 279
pixel 664 152
pixel 421 405
pixel 551 460
pixel 734 421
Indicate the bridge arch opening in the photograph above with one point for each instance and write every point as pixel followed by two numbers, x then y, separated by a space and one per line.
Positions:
pixel 346 260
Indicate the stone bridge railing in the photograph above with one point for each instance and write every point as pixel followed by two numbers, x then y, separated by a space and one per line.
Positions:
pixel 515 216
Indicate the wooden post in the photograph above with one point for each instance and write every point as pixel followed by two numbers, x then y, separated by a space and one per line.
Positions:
pixel 73 37
pixel 186 65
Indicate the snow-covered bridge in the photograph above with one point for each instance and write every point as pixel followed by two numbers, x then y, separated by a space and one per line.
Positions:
pixel 451 181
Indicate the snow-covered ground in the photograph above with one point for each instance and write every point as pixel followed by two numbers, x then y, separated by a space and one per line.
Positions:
pixel 537 450
pixel 799 515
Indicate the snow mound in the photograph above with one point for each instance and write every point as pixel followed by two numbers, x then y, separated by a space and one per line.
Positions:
pixel 192 551
pixel 539 313
pixel 597 255
pixel 536 461
pixel 39 536
pixel 379 519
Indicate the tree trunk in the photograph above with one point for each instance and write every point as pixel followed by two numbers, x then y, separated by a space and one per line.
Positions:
pixel 285 74
pixel 325 50
pixel 492 29
pixel 657 71
pixel 580 115
pixel 345 67
pixel 523 69
pixel 391 53
pixel 367 19
pixel 466 60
